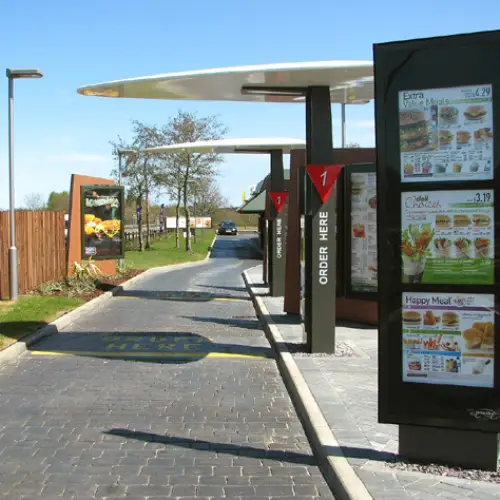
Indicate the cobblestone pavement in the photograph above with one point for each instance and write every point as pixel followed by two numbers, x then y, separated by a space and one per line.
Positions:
pixel 345 388
pixel 157 394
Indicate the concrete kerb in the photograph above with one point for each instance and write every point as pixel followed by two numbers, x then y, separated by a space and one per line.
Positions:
pixel 13 352
pixel 341 477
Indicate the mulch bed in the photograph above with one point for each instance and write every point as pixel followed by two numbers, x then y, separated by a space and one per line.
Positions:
pixel 109 282
pixel 106 284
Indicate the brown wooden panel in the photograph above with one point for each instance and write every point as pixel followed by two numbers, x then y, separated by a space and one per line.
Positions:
pixel 4 248
pixel 41 249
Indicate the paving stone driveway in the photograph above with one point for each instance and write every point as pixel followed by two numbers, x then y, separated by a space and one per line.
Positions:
pixel 125 417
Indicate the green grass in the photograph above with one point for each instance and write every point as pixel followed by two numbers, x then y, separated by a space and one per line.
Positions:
pixel 30 313
pixel 164 253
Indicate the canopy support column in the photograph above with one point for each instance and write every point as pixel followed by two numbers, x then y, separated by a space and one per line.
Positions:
pixel 320 230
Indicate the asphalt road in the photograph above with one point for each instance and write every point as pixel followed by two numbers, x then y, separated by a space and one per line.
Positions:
pixel 168 390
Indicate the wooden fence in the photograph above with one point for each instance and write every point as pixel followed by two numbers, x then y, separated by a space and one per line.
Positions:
pixel 41 249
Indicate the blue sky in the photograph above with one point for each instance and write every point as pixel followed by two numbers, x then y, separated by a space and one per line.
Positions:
pixel 58 132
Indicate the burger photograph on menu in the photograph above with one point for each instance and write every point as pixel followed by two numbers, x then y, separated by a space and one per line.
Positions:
pixel 412 318
pixel 445 137
pixel 475 113
pixel 448 115
pixel 413 130
pixel 481 220
pixel 461 220
pixel 450 319
pixel 463 137
pixel 443 221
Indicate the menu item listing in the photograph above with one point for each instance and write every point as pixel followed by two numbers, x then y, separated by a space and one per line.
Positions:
pixel 448 237
pixel 448 339
pixel 364 232
pixel 446 134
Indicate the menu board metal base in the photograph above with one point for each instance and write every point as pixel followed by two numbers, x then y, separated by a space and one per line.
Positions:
pixel 460 448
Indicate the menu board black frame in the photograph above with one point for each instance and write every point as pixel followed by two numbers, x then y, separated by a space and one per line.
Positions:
pixel 350 293
pixel 103 189
pixel 410 66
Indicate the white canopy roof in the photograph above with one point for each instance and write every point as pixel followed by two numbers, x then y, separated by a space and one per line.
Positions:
pixel 349 82
pixel 227 146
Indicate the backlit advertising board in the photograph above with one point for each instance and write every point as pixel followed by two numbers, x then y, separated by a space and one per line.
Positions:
pixel 437 112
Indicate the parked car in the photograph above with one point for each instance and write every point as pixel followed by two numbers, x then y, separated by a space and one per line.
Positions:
pixel 227 227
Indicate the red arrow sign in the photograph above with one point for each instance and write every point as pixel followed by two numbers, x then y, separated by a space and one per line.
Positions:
pixel 324 178
pixel 279 199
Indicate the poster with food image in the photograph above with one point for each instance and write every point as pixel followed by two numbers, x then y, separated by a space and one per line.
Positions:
pixel 101 222
pixel 364 231
pixel 448 339
pixel 448 237
pixel 446 134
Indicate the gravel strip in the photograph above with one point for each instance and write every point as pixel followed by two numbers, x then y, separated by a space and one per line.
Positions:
pixel 299 350
pixel 443 470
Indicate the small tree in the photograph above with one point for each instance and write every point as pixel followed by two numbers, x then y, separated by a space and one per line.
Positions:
pixel 58 201
pixel 34 201
pixel 142 174
pixel 173 183
pixel 187 165
pixel 209 198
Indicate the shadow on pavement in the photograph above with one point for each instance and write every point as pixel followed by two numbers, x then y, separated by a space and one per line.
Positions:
pixel 226 448
pixel 358 326
pixel 153 347
pixel 249 324
pixel 173 295
pixel 286 319
pixel 19 329
pixel 231 288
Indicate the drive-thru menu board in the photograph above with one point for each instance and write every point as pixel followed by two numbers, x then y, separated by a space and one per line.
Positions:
pixel 363 231
pixel 448 237
pixel 438 176
pixel 448 339
pixel 446 134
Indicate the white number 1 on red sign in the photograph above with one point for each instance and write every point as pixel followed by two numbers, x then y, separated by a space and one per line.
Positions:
pixel 323 177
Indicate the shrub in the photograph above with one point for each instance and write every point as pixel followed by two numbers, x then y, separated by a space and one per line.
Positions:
pixel 51 287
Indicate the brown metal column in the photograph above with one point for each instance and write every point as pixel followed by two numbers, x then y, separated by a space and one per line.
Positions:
pixel 293 271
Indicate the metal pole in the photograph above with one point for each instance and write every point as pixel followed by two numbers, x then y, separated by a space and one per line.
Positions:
pixel 342 108
pixel 119 169
pixel 194 214
pixel 121 262
pixel 14 278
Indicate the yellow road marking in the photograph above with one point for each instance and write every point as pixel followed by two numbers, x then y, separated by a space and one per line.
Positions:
pixel 149 354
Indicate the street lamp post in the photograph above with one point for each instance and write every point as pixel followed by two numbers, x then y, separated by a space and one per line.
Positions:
pixel 123 152
pixel 13 74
